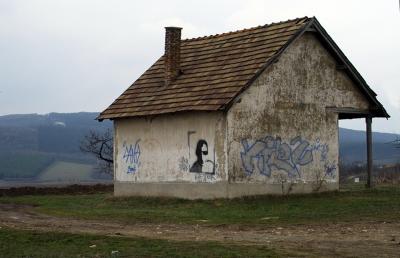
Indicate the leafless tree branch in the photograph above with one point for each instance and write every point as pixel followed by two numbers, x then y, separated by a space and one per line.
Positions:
pixel 99 144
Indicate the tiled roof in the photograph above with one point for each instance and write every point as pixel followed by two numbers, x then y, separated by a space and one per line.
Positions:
pixel 215 69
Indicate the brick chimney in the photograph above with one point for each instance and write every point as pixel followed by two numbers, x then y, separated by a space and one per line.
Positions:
pixel 172 56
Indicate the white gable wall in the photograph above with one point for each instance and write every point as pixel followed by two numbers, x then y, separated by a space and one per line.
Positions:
pixel 279 131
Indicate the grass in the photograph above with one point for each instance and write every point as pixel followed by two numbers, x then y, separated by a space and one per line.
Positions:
pixel 19 243
pixel 382 203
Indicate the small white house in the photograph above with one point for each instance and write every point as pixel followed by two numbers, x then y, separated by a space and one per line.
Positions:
pixel 248 112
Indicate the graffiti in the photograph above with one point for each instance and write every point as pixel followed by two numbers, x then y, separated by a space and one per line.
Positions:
pixel 203 160
pixel 189 134
pixel 323 149
pixel 131 156
pixel 131 169
pixel 184 164
pixel 203 164
pixel 330 169
pixel 319 147
pixel 271 152
pixel 204 178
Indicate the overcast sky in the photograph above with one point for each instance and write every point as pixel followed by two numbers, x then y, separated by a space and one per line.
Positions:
pixel 70 56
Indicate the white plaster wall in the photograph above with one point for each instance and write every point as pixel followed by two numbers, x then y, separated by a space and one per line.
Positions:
pixel 162 149
pixel 289 100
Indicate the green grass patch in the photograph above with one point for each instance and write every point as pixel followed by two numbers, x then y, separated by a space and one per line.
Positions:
pixel 18 243
pixel 382 203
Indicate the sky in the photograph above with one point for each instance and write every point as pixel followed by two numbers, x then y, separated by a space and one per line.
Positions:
pixel 79 55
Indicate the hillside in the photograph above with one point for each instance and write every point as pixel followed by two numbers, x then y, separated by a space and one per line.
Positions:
pixel 353 147
pixel 54 132
pixel 30 144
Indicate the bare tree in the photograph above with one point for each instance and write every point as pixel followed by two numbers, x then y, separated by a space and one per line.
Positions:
pixel 100 144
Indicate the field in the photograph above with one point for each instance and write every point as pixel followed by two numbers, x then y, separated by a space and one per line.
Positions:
pixel 41 169
pixel 67 171
pixel 355 205
pixel 350 223
pixel 43 166
pixel 23 164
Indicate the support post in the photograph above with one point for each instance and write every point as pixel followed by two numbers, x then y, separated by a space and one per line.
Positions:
pixel 368 121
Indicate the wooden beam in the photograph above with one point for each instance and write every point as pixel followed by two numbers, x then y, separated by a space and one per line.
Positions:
pixel 341 67
pixel 368 121
pixel 348 110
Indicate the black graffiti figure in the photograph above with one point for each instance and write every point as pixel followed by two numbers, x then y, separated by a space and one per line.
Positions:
pixel 202 164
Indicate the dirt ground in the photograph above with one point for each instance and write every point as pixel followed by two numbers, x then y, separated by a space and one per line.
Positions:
pixel 361 239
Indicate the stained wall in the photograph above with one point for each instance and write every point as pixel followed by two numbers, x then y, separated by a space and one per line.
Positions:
pixel 179 148
pixel 278 137
pixel 279 129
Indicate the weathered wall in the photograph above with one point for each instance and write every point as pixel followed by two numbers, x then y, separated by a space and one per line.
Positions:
pixel 180 148
pixel 279 129
pixel 277 138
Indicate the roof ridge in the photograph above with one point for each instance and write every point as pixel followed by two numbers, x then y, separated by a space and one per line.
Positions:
pixel 243 30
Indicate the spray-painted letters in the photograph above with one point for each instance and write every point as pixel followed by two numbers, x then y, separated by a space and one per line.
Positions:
pixel 132 156
pixel 272 153
pixel 323 148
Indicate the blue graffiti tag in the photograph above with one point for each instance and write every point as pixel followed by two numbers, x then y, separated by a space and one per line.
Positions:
pixel 323 148
pixel 271 153
pixel 131 169
pixel 131 156
pixel 330 169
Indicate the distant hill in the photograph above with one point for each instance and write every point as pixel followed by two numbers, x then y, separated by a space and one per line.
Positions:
pixel 54 132
pixel 31 145
pixel 353 148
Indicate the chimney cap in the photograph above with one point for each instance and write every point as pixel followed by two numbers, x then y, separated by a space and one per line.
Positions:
pixel 173 28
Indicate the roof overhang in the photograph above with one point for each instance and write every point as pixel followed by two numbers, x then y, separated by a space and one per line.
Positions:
pixel 351 113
